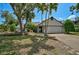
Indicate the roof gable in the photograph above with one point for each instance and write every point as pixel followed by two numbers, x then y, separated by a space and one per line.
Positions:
pixel 51 21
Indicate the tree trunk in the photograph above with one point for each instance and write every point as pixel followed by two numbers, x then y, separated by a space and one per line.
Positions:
pixel 26 24
pixel 41 20
pixel 30 20
pixel 46 25
pixel 20 23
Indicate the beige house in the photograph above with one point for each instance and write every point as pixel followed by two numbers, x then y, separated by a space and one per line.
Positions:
pixel 52 26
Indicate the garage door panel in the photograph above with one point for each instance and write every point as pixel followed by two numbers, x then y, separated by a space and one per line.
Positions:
pixel 55 29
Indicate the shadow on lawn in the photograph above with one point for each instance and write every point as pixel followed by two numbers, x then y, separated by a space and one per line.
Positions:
pixel 39 43
pixel 7 46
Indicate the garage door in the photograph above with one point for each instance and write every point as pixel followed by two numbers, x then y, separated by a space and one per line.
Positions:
pixel 53 29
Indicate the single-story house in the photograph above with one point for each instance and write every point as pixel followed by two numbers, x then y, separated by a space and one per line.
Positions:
pixel 52 26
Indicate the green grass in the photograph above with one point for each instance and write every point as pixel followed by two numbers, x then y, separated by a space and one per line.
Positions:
pixel 74 33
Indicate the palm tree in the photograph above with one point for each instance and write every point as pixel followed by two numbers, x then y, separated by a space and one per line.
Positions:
pixel 76 8
pixel 52 7
pixel 45 7
pixel 72 8
pixel 40 7
pixel 48 8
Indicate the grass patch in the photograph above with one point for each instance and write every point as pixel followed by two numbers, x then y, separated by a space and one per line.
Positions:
pixel 27 44
pixel 12 44
pixel 74 33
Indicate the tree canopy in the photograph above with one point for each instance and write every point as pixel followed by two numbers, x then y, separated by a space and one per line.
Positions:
pixel 69 26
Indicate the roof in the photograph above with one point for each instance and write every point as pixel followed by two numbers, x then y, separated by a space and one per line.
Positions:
pixel 36 23
pixel 57 20
pixel 52 18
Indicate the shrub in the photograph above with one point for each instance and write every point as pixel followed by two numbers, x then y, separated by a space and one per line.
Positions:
pixel 3 27
pixel 12 27
pixel 76 28
pixel 69 26
pixel 31 26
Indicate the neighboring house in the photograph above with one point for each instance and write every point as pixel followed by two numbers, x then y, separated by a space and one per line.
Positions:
pixel 53 26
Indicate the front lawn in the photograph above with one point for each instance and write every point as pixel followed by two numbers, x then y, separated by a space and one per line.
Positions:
pixel 30 45
pixel 27 44
pixel 13 44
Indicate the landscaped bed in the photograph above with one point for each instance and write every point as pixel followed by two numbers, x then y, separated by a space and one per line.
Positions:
pixel 29 44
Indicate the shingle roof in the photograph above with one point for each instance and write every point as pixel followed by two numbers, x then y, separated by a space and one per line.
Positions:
pixel 52 18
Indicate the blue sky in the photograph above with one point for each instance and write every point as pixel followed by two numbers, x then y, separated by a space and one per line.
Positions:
pixel 62 12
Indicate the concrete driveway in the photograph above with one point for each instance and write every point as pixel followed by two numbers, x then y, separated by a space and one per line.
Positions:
pixel 70 40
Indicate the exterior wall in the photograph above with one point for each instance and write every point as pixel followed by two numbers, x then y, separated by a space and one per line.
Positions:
pixel 53 27
pixel 52 22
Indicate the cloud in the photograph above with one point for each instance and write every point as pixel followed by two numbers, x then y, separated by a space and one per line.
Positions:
pixel 60 19
pixel 72 17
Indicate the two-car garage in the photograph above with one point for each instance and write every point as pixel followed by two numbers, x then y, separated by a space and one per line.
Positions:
pixel 55 29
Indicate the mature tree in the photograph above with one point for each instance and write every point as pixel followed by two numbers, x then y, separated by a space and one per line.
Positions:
pixel 23 11
pixel 69 26
pixel 28 11
pixel 18 11
pixel 9 19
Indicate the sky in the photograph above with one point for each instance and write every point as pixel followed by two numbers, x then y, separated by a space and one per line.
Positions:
pixel 62 12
